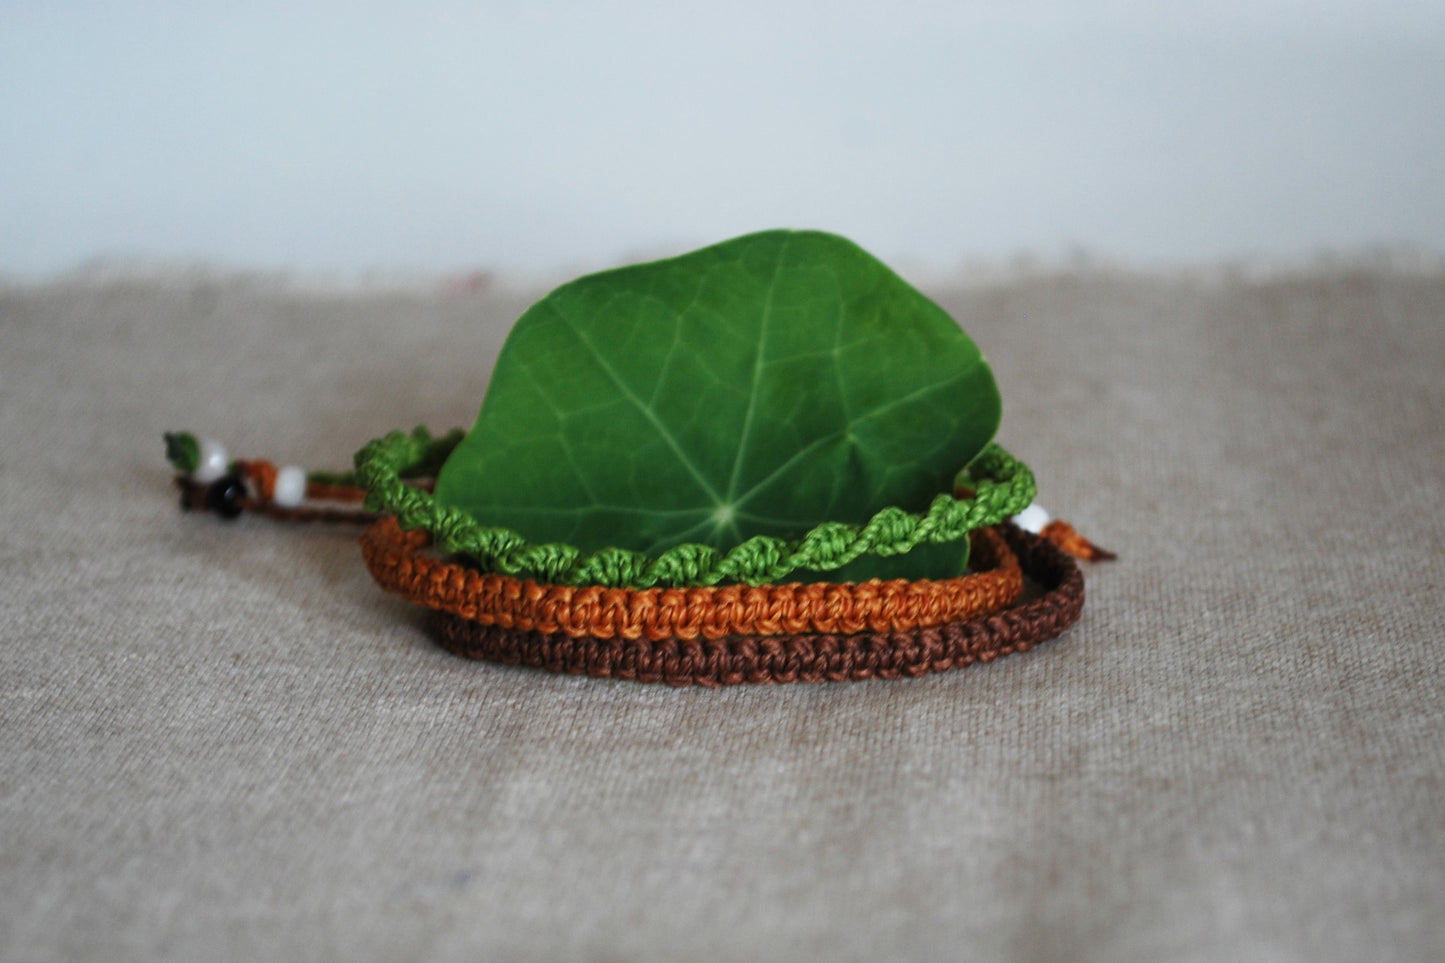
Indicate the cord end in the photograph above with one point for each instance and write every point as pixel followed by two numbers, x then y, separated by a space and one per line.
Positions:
pixel 1066 538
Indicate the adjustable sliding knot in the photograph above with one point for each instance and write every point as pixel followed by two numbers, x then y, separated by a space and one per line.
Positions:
pixel 210 481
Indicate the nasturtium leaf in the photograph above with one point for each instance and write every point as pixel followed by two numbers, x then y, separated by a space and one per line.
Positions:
pixel 758 386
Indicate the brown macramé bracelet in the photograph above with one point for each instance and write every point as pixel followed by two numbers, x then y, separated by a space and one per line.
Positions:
pixel 799 657
pixel 709 612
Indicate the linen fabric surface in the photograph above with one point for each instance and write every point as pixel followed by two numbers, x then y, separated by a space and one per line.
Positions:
pixel 222 741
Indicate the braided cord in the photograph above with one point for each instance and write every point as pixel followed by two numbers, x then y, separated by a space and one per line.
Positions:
pixel 1002 486
pixel 807 657
pixel 397 562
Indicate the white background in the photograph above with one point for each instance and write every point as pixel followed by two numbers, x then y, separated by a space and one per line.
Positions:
pixel 520 136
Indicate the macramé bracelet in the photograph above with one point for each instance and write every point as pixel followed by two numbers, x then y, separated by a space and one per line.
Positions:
pixel 998 487
pixel 821 657
pixel 396 561
pixel 700 635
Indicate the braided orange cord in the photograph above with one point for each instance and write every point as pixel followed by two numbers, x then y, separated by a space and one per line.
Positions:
pixel 325 492
pixel 262 474
pixel 1066 538
pixel 394 559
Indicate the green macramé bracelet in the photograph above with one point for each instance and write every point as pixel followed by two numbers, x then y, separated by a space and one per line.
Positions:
pixel 1002 487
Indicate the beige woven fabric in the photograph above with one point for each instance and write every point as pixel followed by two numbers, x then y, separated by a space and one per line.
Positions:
pixel 223 742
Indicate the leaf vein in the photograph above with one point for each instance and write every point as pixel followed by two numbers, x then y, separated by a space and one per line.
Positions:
pixel 643 408
pixel 758 362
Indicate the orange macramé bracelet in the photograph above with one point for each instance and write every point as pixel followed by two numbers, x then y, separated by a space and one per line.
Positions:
pixel 395 561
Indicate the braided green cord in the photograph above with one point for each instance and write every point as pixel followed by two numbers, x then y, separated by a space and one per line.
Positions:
pixel 1003 487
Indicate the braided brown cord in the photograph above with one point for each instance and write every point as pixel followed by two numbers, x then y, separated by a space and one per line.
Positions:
pixel 394 559
pixel 193 498
pixel 799 657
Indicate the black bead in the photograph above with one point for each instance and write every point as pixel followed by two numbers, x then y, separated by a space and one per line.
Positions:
pixel 224 495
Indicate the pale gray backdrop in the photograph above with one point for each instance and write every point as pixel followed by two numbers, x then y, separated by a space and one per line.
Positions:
pixel 558 134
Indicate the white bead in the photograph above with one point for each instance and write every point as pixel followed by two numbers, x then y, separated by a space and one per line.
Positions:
pixel 213 462
pixel 1032 519
pixel 290 489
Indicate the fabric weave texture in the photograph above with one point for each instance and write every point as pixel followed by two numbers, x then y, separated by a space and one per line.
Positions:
pixel 223 741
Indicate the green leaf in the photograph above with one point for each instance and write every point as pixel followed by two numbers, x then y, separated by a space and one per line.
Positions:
pixel 759 386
